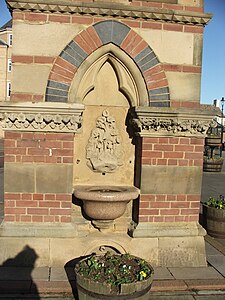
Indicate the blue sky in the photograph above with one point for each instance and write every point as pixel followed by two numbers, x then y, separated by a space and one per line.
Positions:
pixel 213 75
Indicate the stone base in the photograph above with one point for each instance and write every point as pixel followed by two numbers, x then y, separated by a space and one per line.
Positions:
pixel 181 246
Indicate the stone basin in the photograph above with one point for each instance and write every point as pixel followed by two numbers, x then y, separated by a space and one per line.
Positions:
pixel 105 202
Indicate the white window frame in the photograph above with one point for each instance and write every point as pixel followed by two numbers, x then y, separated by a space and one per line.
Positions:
pixel 9 65
pixel 8 88
pixel 10 39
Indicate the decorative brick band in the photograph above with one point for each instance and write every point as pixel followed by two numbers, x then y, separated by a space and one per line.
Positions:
pixel 33 59
pixel 146 11
pixel 91 39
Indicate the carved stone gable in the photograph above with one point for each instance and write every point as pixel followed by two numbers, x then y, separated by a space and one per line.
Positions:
pixel 104 151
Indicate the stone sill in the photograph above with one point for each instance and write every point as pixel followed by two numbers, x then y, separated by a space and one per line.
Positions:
pixel 159 230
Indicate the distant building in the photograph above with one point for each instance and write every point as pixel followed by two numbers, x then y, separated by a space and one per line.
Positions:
pixel 5 60
pixel 219 118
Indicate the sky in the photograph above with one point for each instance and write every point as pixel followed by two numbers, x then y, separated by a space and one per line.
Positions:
pixel 213 63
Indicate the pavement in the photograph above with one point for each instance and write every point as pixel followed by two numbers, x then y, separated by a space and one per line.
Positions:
pixel 192 283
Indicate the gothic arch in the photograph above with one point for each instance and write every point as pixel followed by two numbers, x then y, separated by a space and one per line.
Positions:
pixel 120 36
pixel 130 81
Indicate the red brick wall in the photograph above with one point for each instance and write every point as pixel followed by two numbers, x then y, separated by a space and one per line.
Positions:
pixel 172 151
pixel 34 148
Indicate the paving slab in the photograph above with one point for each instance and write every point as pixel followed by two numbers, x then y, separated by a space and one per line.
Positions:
pixel 171 297
pixel 42 273
pixel 23 273
pixel 210 250
pixel 218 262
pixel 60 274
pixel 169 285
pixel 205 284
pixel 161 273
pixel 51 287
pixel 209 297
pixel 195 273
pixel 15 286
pixel 221 241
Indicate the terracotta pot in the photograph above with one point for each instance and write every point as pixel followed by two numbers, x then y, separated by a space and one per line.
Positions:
pixel 212 165
pixel 92 290
pixel 214 221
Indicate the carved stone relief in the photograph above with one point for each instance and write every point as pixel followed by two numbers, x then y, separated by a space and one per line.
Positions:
pixel 104 150
pixel 150 121
pixel 41 117
pixel 171 125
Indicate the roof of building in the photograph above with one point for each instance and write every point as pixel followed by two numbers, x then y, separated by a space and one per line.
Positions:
pixel 212 108
pixel 7 25
pixel 2 43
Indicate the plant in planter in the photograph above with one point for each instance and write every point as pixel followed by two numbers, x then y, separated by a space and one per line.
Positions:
pixel 113 276
pixel 212 161
pixel 214 213
pixel 212 164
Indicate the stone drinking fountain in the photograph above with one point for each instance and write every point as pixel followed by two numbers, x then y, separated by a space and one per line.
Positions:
pixel 104 153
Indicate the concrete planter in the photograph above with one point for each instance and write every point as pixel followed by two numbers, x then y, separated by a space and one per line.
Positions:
pixel 214 221
pixel 212 165
pixel 93 290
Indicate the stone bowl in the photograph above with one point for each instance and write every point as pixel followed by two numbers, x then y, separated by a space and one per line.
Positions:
pixel 105 202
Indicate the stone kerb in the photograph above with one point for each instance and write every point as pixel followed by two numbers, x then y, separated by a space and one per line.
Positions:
pixel 89 40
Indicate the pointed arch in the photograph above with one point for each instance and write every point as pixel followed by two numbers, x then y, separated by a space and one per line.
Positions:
pixel 120 36
pixel 129 78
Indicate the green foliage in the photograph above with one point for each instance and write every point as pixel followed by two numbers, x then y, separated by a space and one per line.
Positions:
pixel 217 202
pixel 115 269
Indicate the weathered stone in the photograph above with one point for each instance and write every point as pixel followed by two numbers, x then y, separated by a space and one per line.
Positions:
pixel 184 86
pixel 171 180
pixel 37 83
pixel 198 41
pixel 52 178
pixel 19 178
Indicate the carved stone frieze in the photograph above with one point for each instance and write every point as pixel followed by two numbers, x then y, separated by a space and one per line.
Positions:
pixel 107 9
pixel 103 150
pixel 169 122
pixel 41 117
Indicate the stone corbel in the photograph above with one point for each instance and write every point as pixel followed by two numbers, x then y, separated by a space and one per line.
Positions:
pixel 48 117
pixel 152 121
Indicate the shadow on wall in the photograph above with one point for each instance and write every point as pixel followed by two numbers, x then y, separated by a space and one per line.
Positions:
pixel 15 274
